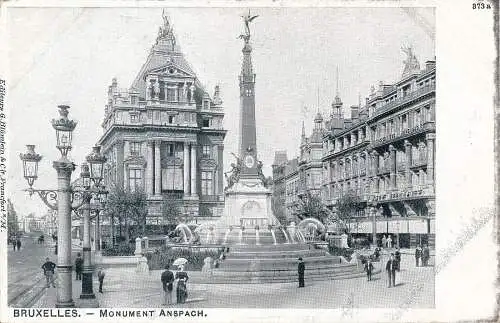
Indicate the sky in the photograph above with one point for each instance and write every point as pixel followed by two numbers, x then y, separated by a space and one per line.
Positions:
pixel 69 56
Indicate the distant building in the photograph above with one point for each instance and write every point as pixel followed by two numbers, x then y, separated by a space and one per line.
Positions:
pixel 165 135
pixel 295 178
pixel 384 154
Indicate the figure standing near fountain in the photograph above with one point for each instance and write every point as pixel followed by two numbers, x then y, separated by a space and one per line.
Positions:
pixel 167 280
pixel 301 271
pixel 181 277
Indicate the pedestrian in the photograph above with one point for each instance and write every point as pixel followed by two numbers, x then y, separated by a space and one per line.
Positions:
pixel 369 269
pixel 14 243
pixel 418 256
pixel 48 270
pixel 391 271
pixel 301 271
pixel 426 255
pixel 78 266
pixel 18 244
pixel 181 290
pixel 55 249
pixel 397 255
pixel 100 276
pixel 389 242
pixel 167 280
pixel 384 241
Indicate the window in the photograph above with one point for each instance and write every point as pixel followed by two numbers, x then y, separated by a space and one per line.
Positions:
pixel 134 179
pixel 134 118
pixel 207 151
pixel 170 94
pixel 135 148
pixel 170 119
pixel 206 183
pixel 157 115
pixel 162 91
pixel 170 150
pixel 206 123
pixel 150 114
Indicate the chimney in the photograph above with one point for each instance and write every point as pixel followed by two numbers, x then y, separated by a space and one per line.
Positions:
pixel 429 65
pixel 354 113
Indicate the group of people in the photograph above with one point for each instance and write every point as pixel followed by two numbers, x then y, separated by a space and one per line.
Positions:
pixel 16 243
pixel 422 256
pixel 387 241
pixel 174 286
pixel 79 271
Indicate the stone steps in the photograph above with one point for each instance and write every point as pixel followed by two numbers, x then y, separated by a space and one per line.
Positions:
pixel 272 247
pixel 277 254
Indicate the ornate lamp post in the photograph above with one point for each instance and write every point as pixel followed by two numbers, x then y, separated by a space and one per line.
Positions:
pixel 89 175
pixel 59 199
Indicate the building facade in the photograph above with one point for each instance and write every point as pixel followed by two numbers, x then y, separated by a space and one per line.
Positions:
pixel 384 155
pixel 165 135
pixel 293 179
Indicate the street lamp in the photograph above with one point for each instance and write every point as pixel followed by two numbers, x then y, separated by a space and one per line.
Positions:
pixel 59 199
pixel 90 174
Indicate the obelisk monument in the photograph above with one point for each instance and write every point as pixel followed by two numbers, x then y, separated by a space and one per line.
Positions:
pixel 248 200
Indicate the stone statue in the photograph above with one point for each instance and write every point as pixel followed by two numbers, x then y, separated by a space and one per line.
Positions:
pixel 411 63
pixel 156 86
pixel 235 173
pixel 262 177
pixel 247 20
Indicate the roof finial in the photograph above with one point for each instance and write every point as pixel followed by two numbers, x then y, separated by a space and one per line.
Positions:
pixel 303 129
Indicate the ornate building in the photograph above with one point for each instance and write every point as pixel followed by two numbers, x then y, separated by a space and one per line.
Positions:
pixel 384 155
pixel 293 179
pixel 165 135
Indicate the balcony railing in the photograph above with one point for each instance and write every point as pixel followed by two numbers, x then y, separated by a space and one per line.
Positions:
pixel 210 198
pixel 404 99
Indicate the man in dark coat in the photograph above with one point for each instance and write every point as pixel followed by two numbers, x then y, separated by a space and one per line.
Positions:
pixel 369 269
pixel 167 280
pixel 426 255
pixel 301 271
pixel 48 270
pixel 397 256
pixel 100 276
pixel 390 267
pixel 78 266
pixel 18 244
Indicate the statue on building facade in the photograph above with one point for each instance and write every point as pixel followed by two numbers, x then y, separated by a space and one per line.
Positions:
pixel 235 172
pixel 247 20
pixel 411 63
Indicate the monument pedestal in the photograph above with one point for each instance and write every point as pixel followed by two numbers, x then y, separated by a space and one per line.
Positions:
pixel 248 204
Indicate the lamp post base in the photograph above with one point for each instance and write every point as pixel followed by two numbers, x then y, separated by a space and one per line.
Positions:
pixel 69 303
pixel 87 288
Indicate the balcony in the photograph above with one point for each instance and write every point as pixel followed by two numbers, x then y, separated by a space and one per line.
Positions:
pixel 173 195
pixel 405 99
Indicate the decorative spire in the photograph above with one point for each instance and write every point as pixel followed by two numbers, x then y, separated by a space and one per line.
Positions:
pixel 337 84
pixel 246 68
pixel 411 64
pixel 217 99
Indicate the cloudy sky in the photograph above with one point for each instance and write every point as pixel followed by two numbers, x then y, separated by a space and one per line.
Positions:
pixel 70 55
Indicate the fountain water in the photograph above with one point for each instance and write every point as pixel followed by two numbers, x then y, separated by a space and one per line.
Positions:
pixel 225 236
pixel 257 242
pixel 286 236
pixel 274 236
pixel 240 236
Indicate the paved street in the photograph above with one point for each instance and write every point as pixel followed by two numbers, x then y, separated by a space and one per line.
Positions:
pixel 24 270
pixel 123 287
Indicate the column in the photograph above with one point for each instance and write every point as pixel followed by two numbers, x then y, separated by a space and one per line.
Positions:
pixel 392 165
pixel 430 158
pixel 149 169
pixel 157 168
pixel 408 163
pixel 375 171
pixel 119 162
pixel 87 270
pixel 373 215
pixel 193 170
pixel 64 262
pixel 186 169
pixel 220 174
pixel 215 156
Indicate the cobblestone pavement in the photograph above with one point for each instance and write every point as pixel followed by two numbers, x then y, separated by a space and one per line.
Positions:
pixel 123 287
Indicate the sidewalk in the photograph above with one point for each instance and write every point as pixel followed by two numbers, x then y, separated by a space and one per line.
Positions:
pixel 123 287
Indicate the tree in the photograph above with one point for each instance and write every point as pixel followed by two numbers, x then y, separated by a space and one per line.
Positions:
pixel 170 210
pixel 278 207
pixel 130 208
pixel 311 206
pixel 12 220
pixel 347 206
